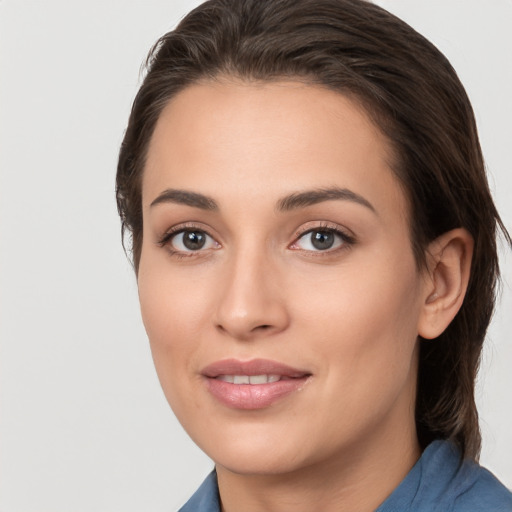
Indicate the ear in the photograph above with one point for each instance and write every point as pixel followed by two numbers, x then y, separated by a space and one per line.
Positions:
pixel 446 281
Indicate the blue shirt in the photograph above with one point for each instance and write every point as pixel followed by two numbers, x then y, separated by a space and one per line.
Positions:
pixel 437 483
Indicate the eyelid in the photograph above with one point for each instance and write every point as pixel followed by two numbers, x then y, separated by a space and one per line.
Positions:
pixel 166 238
pixel 347 237
pixel 345 234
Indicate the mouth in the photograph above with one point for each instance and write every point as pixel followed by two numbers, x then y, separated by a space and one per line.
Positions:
pixel 250 379
pixel 255 384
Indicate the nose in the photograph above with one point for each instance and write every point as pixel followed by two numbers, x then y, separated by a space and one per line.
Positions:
pixel 252 303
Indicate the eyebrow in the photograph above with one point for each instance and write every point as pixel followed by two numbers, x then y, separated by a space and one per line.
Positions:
pixel 187 198
pixel 312 197
pixel 285 204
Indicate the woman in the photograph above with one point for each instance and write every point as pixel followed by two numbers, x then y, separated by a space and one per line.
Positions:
pixel 315 247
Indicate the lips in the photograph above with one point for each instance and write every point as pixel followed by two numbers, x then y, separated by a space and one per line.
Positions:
pixel 254 384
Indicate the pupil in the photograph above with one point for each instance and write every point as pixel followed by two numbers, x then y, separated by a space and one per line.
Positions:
pixel 193 240
pixel 322 239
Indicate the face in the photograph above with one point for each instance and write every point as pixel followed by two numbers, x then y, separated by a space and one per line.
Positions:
pixel 277 281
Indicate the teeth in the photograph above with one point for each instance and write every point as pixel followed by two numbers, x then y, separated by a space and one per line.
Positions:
pixel 249 379
pixel 258 379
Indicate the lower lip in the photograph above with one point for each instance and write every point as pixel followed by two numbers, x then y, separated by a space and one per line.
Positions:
pixel 253 396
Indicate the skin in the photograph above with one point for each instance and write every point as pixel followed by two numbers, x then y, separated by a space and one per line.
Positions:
pixel 350 316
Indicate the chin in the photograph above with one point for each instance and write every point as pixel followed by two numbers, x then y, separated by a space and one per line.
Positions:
pixel 252 463
pixel 260 450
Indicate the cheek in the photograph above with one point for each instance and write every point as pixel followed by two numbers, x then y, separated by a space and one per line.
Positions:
pixel 370 295
pixel 364 323
pixel 173 303
pixel 171 319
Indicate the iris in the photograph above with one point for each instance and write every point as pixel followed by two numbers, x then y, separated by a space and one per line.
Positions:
pixel 194 240
pixel 322 240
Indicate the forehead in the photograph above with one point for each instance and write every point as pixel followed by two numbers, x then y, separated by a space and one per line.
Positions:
pixel 267 139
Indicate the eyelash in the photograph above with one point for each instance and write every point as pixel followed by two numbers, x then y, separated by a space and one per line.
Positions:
pixel 347 240
pixel 165 240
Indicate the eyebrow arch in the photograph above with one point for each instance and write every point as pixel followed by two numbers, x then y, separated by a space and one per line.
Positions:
pixel 287 203
pixel 311 197
pixel 187 198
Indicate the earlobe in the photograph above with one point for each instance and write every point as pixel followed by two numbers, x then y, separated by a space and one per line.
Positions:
pixel 446 281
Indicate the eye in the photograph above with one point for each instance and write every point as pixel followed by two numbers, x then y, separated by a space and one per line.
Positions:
pixel 322 239
pixel 190 240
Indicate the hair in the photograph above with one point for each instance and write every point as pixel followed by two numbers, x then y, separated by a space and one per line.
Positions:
pixel 413 95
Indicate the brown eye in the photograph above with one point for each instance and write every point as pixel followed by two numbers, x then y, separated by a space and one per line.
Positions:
pixel 191 240
pixel 322 239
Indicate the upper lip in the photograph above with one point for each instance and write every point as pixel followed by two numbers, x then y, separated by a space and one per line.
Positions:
pixel 252 367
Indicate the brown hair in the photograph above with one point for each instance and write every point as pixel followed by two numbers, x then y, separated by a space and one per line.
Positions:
pixel 413 94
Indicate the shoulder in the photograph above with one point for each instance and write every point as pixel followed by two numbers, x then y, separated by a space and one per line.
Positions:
pixel 464 485
pixel 479 490
pixel 441 482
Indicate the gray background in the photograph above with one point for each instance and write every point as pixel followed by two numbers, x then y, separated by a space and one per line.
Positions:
pixel 83 422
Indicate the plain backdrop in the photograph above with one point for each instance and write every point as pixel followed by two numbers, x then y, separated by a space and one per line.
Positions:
pixel 84 426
